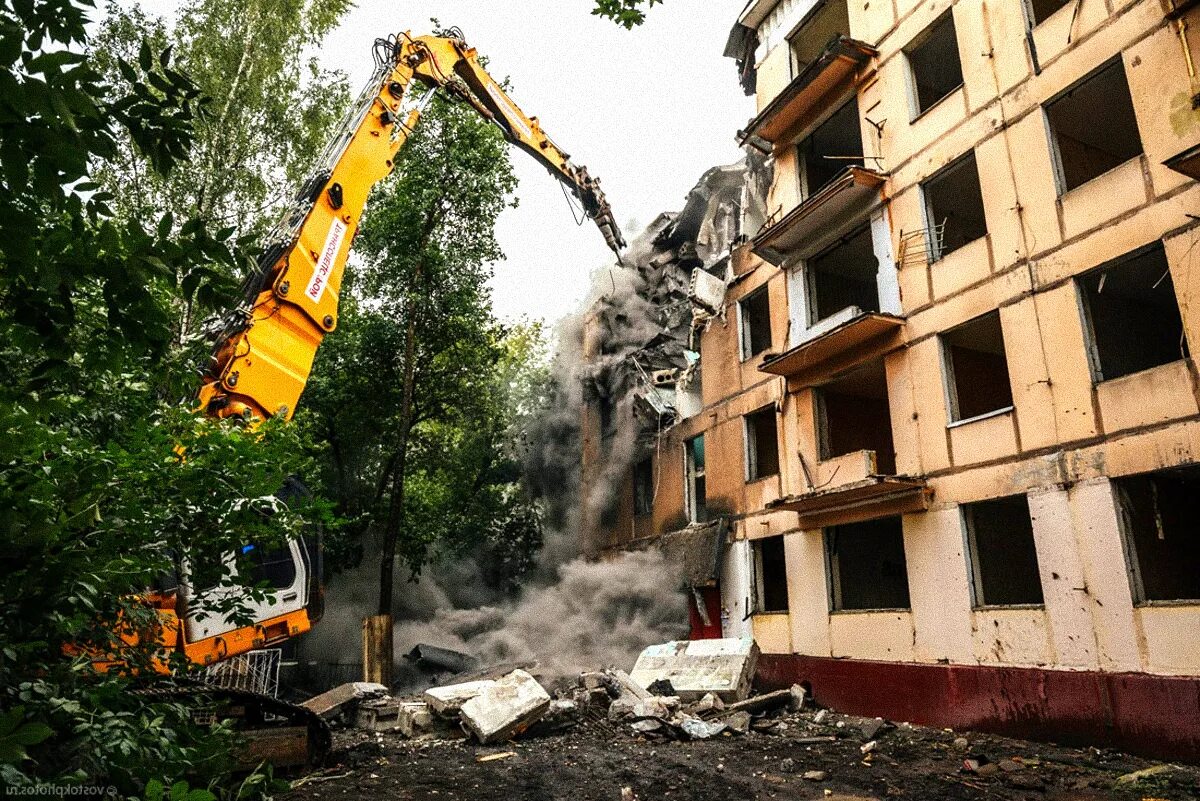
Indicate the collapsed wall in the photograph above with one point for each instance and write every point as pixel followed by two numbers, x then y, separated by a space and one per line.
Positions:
pixel 639 367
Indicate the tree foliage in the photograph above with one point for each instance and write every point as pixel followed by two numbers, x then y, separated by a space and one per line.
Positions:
pixel 415 397
pixel 629 13
pixel 107 478
pixel 270 104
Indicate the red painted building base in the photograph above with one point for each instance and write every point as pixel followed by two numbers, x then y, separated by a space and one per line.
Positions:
pixel 1156 716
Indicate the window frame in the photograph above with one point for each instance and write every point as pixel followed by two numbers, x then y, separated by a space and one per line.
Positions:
pixel 1088 321
pixel 760 595
pixel 638 511
pixel 918 41
pixel 971 551
pixel 937 250
pixel 750 443
pixel 1056 162
pixel 833 579
pixel 691 474
pixel 950 381
pixel 745 338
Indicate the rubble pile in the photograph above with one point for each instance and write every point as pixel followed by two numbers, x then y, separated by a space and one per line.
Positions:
pixel 678 690
pixel 660 731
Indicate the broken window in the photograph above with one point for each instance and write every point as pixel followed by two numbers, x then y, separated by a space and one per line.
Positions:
pixel 1040 10
pixel 762 444
pixel 954 207
pixel 827 21
pixel 854 416
pixel 770 575
pixel 976 368
pixel 1132 314
pixel 1003 555
pixel 1162 542
pixel 833 146
pixel 843 276
pixel 867 568
pixel 1093 126
pixel 934 63
pixel 643 487
pixel 694 470
pixel 754 312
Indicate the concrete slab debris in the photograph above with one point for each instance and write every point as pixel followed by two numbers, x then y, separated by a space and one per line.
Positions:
pixel 739 722
pixel 434 658
pixel 723 667
pixel 698 729
pixel 415 718
pixel 331 703
pixel 506 708
pixel 656 707
pixel 448 700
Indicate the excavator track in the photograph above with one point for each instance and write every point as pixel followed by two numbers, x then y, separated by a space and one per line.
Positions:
pixel 283 734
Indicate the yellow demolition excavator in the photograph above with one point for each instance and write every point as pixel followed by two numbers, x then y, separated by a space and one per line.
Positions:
pixel 265 352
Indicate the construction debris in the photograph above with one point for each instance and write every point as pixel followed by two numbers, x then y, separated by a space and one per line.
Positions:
pixel 448 701
pixel 505 708
pixel 340 699
pixel 724 668
pixel 434 658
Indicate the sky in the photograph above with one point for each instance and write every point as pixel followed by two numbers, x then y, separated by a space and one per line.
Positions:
pixel 648 111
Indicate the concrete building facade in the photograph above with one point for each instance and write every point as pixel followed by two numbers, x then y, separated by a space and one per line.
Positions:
pixel 949 410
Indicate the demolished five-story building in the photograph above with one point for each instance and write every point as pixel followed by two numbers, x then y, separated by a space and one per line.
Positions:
pixel 948 416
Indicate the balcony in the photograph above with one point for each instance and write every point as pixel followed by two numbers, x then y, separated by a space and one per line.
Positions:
pixel 838 343
pixel 849 489
pixel 841 65
pixel 855 477
pixel 806 228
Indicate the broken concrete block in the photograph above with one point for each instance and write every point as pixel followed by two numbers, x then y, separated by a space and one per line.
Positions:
pixel 448 700
pixel 815 775
pixel 506 708
pixel 380 714
pixel 656 707
pixel 873 728
pixel 722 667
pixel 415 718
pixel 739 722
pixel 620 709
pixel 799 695
pixel 709 703
pixel 629 686
pixel 330 704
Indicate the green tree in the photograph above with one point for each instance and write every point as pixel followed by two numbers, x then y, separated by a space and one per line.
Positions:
pixel 413 395
pixel 271 107
pixel 629 13
pixel 96 502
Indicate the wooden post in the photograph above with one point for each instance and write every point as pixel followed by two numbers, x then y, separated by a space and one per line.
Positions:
pixel 377 649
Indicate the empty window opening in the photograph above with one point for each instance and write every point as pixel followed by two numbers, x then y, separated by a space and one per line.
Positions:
pixel 833 146
pixel 954 206
pixel 843 276
pixel 1003 555
pixel 976 368
pixel 823 24
pixel 770 575
pixel 1040 10
pixel 754 311
pixel 934 63
pixel 854 416
pixel 1162 542
pixel 643 487
pixel 762 444
pixel 866 565
pixel 1093 126
pixel 1133 315
pixel 694 469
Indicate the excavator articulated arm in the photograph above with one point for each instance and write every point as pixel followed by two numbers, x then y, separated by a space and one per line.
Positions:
pixel 264 353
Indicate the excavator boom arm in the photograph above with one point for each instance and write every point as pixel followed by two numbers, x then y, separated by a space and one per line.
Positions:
pixel 264 353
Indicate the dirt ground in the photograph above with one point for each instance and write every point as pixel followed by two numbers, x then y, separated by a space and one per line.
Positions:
pixel 595 760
